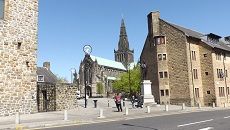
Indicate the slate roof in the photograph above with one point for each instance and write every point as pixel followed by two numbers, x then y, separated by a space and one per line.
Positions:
pixel 220 45
pixel 49 77
pixel 108 63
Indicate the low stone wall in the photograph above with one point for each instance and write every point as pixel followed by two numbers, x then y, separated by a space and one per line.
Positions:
pixel 66 97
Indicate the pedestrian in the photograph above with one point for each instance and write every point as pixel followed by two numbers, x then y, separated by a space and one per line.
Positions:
pixel 117 99
pixel 133 101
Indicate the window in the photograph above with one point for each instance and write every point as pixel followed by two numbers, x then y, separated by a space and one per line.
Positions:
pixel 165 74
pixel 218 56
pixel 221 91
pixel 193 55
pixel 166 92
pixel 195 76
pixel 208 92
pixel 226 73
pixel 19 45
pixel 227 90
pixel 40 78
pixel 2 8
pixel 205 55
pixel 220 73
pixel 206 73
pixel 162 93
pixel 160 40
pixel 164 56
pixel 197 92
pixel 161 74
pixel 159 56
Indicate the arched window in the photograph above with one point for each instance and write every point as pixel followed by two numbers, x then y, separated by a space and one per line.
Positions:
pixel 2 8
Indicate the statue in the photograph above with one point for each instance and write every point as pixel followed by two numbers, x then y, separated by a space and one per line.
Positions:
pixel 143 70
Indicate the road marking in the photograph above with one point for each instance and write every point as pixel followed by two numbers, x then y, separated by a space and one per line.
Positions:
pixel 226 117
pixel 194 123
pixel 208 128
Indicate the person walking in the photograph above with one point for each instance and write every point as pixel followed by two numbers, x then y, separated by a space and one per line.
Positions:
pixel 117 99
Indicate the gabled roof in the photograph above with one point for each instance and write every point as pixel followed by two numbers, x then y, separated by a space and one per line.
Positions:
pixel 108 63
pixel 49 77
pixel 221 44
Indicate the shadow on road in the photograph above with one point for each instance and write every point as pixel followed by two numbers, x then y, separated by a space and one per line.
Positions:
pixel 140 126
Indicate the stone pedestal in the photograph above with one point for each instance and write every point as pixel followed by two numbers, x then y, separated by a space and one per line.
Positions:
pixel 146 92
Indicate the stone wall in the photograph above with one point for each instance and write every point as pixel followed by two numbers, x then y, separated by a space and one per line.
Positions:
pixel 18 47
pixel 177 63
pixel 66 96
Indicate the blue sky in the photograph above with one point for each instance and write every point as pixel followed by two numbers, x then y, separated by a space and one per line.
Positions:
pixel 65 27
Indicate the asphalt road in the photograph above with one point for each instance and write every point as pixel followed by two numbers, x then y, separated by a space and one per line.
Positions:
pixel 212 120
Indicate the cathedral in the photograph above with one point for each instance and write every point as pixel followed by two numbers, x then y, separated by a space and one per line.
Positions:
pixel 104 71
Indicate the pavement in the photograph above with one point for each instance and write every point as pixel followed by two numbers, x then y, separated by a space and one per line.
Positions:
pixel 90 115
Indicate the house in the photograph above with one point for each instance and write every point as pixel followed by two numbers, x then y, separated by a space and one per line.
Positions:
pixel 186 66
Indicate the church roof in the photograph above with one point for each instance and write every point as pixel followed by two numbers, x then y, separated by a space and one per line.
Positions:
pixel 108 63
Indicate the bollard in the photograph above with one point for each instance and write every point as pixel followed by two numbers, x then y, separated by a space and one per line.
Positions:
pixel 148 109
pixel 213 104
pixel 101 114
pixel 199 105
pixel 225 105
pixel 166 107
pixel 17 118
pixel 123 102
pixel 108 103
pixel 65 115
pixel 95 103
pixel 183 106
pixel 126 111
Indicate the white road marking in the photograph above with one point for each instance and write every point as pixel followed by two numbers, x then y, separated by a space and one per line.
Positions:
pixel 208 128
pixel 226 117
pixel 194 123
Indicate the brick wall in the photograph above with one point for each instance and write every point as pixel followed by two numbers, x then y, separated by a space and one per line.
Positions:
pixel 18 46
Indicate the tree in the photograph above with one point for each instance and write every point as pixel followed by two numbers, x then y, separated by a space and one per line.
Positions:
pixel 100 88
pixel 122 84
pixel 61 79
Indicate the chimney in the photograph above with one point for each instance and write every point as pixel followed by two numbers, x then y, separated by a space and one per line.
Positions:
pixel 227 39
pixel 46 65
pixel 153 23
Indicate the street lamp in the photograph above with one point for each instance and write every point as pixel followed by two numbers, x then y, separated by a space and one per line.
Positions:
pixel 129 80
pixel 71 70
pixel 87 49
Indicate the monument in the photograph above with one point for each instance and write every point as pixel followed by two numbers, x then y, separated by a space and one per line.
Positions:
pixel 146 90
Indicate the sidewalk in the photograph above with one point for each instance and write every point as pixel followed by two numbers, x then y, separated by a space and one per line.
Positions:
pixel 90 114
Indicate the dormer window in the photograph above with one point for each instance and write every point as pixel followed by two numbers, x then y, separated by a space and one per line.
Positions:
pixel 2 3
pixel 213 38
pixel 40 78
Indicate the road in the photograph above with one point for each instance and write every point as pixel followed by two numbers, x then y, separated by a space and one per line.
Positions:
pixel 209 120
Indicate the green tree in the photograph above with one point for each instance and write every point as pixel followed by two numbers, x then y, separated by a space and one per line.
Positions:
pixel 123 84
pixel 100 88
pixel 61 79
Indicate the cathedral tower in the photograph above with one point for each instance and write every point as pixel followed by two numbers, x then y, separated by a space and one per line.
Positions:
pixel 123 54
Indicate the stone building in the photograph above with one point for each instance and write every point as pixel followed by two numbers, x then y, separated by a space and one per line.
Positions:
pixel 18 47
pixel 53 95
pixel 106 71
pixel 186 66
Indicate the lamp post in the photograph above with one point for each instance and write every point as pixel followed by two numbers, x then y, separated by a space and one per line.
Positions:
pixel 71 70
pixel 87 49
pixel 130 90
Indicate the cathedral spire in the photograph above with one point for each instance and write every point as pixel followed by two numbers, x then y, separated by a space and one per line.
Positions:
pixel 123 54
pixel 123 41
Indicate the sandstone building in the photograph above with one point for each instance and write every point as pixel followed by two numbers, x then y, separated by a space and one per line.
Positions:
pixel 53 95
pixel 18 47
pixel 106 71
pixel 186 66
